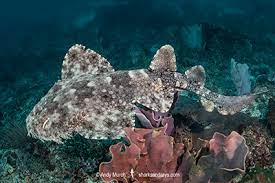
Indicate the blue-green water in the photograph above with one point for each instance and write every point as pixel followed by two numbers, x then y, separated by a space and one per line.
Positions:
pixel 36 35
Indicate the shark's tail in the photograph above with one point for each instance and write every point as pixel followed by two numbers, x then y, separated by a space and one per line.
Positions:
pixel 210 100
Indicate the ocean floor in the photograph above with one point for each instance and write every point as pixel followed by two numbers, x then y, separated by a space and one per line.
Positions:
pixel 28 160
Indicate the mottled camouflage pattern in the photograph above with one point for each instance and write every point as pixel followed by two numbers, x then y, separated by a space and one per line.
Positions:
pixel 210 100
pixel 97 102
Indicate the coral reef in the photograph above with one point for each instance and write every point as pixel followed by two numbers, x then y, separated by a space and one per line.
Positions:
pixel 227 157
pixel 151 157
pixel 154 157
pixel 260 146
pixel 31 65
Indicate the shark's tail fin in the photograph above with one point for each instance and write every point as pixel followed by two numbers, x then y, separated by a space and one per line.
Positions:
pixel 225 105
pixel 210 100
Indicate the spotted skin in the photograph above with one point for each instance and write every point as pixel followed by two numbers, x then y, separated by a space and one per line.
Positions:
pixel 97 102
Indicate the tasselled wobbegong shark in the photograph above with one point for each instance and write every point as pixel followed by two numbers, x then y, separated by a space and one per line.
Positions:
pixel 94 100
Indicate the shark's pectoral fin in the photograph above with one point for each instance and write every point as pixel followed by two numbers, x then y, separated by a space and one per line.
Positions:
pixel 79 61
pixel 164 60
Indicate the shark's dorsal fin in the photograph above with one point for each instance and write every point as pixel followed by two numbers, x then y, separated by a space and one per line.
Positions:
pixel 79 61
pixel 196 76
pixel 164 60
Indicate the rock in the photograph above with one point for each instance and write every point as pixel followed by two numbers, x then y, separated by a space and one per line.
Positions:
pixel 260 144
pixel 271 115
